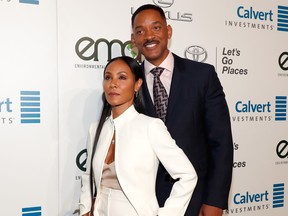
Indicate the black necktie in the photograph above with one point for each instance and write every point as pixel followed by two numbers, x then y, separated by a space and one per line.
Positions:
pixel 160 95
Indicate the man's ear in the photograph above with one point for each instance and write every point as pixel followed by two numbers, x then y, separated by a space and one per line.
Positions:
pixel 132 39
pixel 169 28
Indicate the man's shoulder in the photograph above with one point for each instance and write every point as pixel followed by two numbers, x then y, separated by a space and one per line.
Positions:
pixel 185 61
pixel 193 68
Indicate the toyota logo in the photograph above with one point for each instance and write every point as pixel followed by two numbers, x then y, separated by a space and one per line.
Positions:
pixel 196 53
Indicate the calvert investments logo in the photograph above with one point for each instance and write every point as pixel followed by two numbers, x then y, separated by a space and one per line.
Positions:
pixel 26 106
pixel 35 2
pixel 278 195
pixel 282 18
pixel 32 211
pixel 259 18
pixel 30 107
pixel 252 111
pixel 281 108
pixel 249 201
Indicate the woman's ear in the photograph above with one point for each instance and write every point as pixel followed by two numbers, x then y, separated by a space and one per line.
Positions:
pixel 138 84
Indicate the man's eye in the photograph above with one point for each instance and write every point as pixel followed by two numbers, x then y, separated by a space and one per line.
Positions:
pixel 139 32
pixel 157 28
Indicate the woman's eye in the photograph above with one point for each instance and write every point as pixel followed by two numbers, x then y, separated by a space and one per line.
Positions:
pixel 122 77
pixel 107 77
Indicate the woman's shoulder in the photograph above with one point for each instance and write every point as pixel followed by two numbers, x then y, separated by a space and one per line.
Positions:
pixel 148 120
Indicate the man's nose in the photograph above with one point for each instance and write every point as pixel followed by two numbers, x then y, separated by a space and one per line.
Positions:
pixel 149 34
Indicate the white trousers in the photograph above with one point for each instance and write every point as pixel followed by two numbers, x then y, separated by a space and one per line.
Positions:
pixel 114 203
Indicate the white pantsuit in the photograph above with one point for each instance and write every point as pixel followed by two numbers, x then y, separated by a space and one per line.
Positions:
pixel 141 141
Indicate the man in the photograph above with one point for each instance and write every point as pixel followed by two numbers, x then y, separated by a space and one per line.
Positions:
pixel 197 115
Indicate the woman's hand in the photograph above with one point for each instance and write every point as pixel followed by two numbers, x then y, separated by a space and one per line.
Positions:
pixel 88 214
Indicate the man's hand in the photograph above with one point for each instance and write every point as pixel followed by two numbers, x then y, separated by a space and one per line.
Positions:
pixel 207 210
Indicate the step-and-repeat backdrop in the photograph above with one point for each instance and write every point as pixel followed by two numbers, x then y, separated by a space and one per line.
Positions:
pixel 52 55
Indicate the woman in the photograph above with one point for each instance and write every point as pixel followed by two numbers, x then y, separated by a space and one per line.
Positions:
pixel 124 155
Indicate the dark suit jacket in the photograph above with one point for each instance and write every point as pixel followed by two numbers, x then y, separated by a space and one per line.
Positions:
pixel 198 119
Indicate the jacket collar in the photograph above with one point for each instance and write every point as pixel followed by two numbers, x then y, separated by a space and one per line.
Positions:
pixel 124 117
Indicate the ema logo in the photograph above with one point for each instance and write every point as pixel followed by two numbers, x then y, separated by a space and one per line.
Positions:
pixel 32 211
pixel 282 21
pixel 30 107
pixel 36 2
pixel 278 195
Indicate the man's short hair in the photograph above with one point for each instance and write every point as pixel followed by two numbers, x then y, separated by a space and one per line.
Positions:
pixel 148 7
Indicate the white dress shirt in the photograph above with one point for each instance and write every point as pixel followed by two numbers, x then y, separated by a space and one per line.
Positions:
pixel 166 76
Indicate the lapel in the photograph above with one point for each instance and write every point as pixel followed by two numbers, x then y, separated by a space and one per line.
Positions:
pixel 149 106
pixel 174 89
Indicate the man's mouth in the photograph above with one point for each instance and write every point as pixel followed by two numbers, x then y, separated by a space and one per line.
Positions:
pixel 150 44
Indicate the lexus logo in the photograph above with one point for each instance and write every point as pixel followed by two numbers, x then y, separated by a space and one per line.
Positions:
pixel 196 53
pixel 164 3
pixel 282 149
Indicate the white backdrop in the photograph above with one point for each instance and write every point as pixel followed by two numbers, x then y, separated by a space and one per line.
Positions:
pixel 29 155
pixel 57 49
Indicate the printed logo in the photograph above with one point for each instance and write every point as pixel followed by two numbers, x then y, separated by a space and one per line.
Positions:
pixel 251 17
pixel 282 21
pixel 24 109
pixel 252 111
pixel 282 149
pixel 260 201
pixel 30 107
pixel 81 160
pixel 102 50
pixel 229 57
pixel 32 211
pixel 196 53
pixel 281 108
pixel 36 2
pixel 278 195
pixel 238 164
pixel 282 152
pixel 283 60
pixel 169 14
pixel 163 3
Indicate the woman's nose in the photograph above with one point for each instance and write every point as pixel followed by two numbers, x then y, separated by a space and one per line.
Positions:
pixel 113 83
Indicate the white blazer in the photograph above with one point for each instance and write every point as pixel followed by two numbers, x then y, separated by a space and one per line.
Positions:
pixel 141 141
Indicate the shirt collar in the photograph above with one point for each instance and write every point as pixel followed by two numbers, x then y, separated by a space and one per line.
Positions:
pixel 168 64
